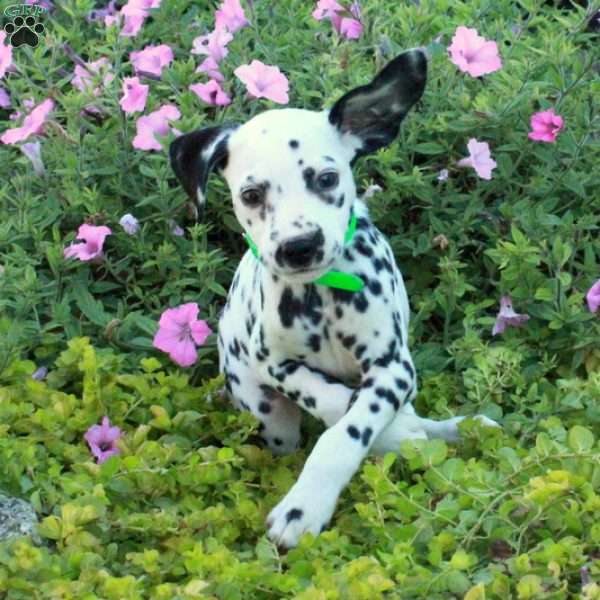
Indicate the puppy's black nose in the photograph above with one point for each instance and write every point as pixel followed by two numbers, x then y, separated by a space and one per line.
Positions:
pixel 300 251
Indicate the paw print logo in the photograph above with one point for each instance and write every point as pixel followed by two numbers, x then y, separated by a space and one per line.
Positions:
pixel 24 31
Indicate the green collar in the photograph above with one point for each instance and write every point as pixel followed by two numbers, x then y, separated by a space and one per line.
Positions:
pixel 333 279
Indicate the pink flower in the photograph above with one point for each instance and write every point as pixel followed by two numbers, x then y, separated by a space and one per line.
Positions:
pixel 135 13
pixel 83 78
pixel 473 54
pixel 264 81
pixel 4 98
pixel 102 440
pixel 593 297
pixel 479 158
pixel 507 316
pixel 134 95
pixel 349 28
pixel 179 332
pixel 230 15
pixel 326 9
pixel 33 124
pixel 152 59
pixel 5 54
pixel 345 22
pixel 443 175
pixel 545 126
pixel 156 123
pixel 130 224
pixel 211 68
pixel 211 93
pixel 93 237
pixel 33 151
pixel 213 44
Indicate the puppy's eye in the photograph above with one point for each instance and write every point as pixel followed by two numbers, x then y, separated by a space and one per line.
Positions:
pixel 252 196
pixel 327 180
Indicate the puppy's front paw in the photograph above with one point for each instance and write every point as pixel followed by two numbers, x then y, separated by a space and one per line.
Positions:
pixel 301 510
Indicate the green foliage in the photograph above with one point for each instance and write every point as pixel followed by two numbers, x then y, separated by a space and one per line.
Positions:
pixel 180 512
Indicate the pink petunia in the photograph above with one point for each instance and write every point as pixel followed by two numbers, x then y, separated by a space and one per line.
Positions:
pixel 135 13
pixel 130 224
pixel 5 54
pixel 4 98
pixel 211 93
pixel 264 81
pixel 180 332
pixel 326 9
pixel 210 66
pixel 134 95
pixel 479 158
pixel 349 28
pixel 156 123
pixel 507 316
pixel 33 151
pixel 213 44
pixel 102 440
pixel 545 126
pixel 152 59
pixel 473 54
pixel 33 124
pixel 93 237
pixel 83 78
pixel 230 15
pixel 593 297
pixel 345 22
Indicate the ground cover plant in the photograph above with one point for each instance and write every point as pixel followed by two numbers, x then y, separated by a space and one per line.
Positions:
pixel 491 201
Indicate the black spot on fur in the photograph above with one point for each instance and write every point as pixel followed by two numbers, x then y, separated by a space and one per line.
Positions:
pixel 389 396
pixel 385 359
pixel 264 407
pixel 314 341
pixel 308 307
pixel 278 442
pixel 353 432
pixel 294 514
pixel 402 385
pixel 374 407
pixel 359 350
pixel 294 144
pixel 409 369
pixel 366 436
pixel 360 302
pixel 310 402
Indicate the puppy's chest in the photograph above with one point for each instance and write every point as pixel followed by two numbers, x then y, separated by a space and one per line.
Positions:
pixel 310 326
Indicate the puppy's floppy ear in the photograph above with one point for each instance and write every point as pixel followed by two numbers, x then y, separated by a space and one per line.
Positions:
pixel 194 155
pixel 374 112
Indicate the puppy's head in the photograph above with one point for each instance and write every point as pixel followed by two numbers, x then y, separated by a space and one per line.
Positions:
pixel 289 171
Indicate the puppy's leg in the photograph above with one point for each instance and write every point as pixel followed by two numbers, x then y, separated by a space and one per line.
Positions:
pixel 338 453
pixel 321 395
pixel 280 418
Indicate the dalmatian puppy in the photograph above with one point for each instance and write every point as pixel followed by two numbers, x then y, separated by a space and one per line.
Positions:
pixel 317 315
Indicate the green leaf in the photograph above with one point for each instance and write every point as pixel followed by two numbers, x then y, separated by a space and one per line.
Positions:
pixel 580 438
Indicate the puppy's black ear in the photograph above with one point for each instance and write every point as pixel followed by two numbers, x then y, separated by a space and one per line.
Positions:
pixel 374 112
pixel 194 155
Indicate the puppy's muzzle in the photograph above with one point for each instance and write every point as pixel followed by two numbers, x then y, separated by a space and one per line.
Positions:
pixel 301 251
